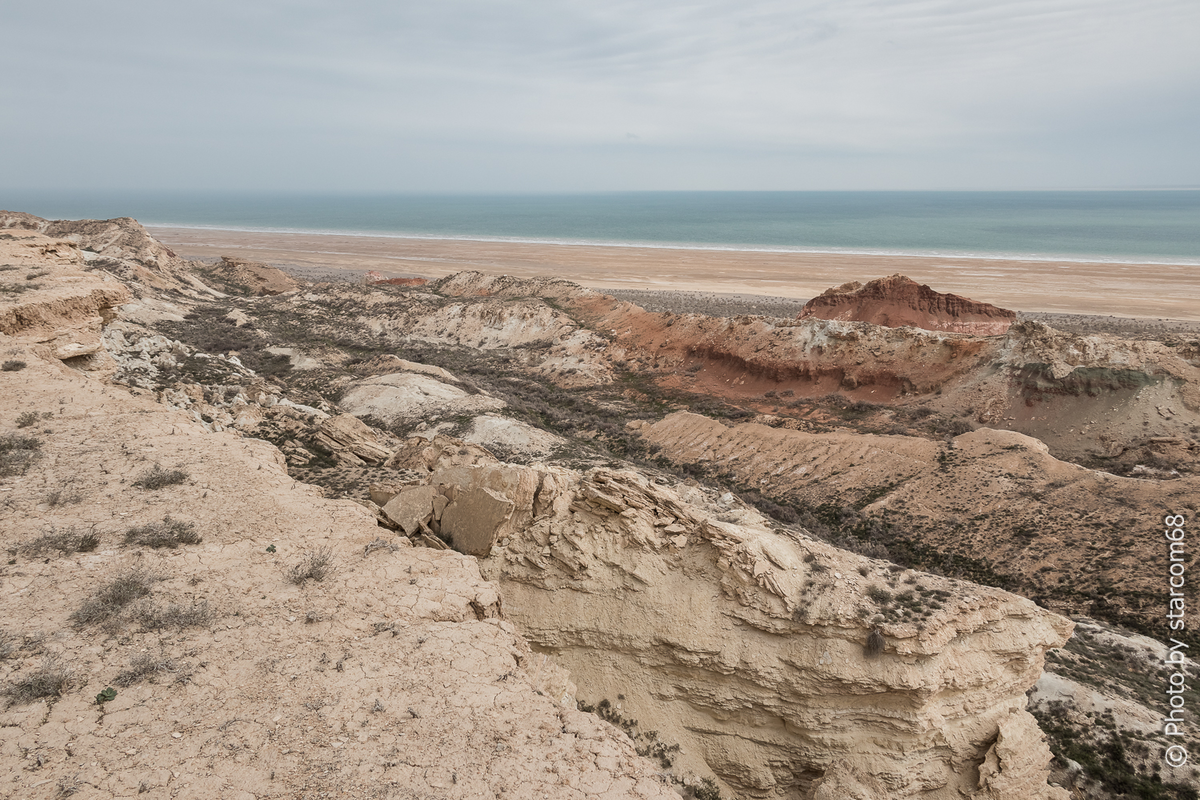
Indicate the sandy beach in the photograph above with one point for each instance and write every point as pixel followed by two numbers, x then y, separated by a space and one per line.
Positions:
pixel 1155 291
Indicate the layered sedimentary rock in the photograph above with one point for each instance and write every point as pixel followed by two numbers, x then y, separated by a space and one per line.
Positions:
pixel 750 648
pixel 898 301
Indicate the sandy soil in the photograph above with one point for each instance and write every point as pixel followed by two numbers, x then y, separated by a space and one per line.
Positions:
pixel 1166 291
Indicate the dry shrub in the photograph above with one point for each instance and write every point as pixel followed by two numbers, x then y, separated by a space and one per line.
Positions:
pixel 51 679
pixel 170 533
pixel 17 452
pixel 66 542
pixel 147 666
pixel 316 564
pixel 111 599
pixel 156 478
pixel 173 615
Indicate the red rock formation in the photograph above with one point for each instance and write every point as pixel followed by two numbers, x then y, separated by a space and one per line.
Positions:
pixel 897 301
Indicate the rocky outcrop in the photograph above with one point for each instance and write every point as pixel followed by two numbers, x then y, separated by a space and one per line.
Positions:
pixel 120 246
pixel 46 297
pixel 748 647
pixel 898 301
pixel 351 441
pixel 410 397
pixel 249 277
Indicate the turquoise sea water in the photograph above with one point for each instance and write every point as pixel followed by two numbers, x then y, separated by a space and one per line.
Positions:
pixel 1161 226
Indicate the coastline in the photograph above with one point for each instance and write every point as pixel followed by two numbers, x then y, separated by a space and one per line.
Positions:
pixel 1138 290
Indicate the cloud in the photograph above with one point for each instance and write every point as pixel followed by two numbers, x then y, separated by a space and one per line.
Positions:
pixel 808 85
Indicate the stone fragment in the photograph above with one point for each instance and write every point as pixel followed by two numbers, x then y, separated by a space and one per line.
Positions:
pixel 411 507
pixel 474 519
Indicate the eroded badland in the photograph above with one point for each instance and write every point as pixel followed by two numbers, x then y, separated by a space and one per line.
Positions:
pixel 489 537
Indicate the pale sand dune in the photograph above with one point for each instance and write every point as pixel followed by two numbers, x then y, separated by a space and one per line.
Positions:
pixel 1169 291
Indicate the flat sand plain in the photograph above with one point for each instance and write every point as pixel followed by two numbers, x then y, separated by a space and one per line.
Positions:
pixel 1155 291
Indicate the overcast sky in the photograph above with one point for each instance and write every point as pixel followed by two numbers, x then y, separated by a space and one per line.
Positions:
pixel 477 96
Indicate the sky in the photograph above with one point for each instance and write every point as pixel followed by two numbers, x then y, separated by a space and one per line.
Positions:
pixel 524 96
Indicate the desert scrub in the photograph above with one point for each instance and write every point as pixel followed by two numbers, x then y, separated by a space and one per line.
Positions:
pixel 156 478
pixel 170 533
pixel 316 564
pixel 154 617
pixel 51 679
pixel 147 666
pixel 111 599
pixel 63 496
pixel 879 595
pixel 66 542
pixel 13 365
pixel 17 452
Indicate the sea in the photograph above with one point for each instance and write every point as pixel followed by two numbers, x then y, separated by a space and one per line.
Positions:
pixel 1160 226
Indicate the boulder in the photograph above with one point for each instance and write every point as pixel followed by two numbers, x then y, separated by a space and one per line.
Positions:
pixel 412 506
pixel 474 520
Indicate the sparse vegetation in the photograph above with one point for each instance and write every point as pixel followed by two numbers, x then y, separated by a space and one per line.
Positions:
pixel 646 743
pixel 107 604
pixel 316 565
pixel 156 477
pixel 170 533
pixel 27 418
pixel 63 496
pixel 149 666
pixel 51 680
pixel 13 365
pixel 154 617
pixel 17 452
pixel 66 542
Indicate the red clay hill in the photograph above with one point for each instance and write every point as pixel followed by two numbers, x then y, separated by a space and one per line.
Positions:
pixel 897 301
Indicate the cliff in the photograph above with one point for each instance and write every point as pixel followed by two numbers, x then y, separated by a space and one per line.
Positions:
pixel 751 648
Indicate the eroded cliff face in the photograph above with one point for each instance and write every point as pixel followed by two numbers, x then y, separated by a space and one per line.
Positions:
pixel 751 648
pixel 898 301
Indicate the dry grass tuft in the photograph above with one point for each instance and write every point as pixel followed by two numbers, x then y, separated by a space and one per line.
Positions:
pixel 317 564
pixel 156 478
pixel 154 617
pixel 66 542
pixel 169 533
pixel 111 599
pixel 49 680
pixel 17 452
pixel 146 666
